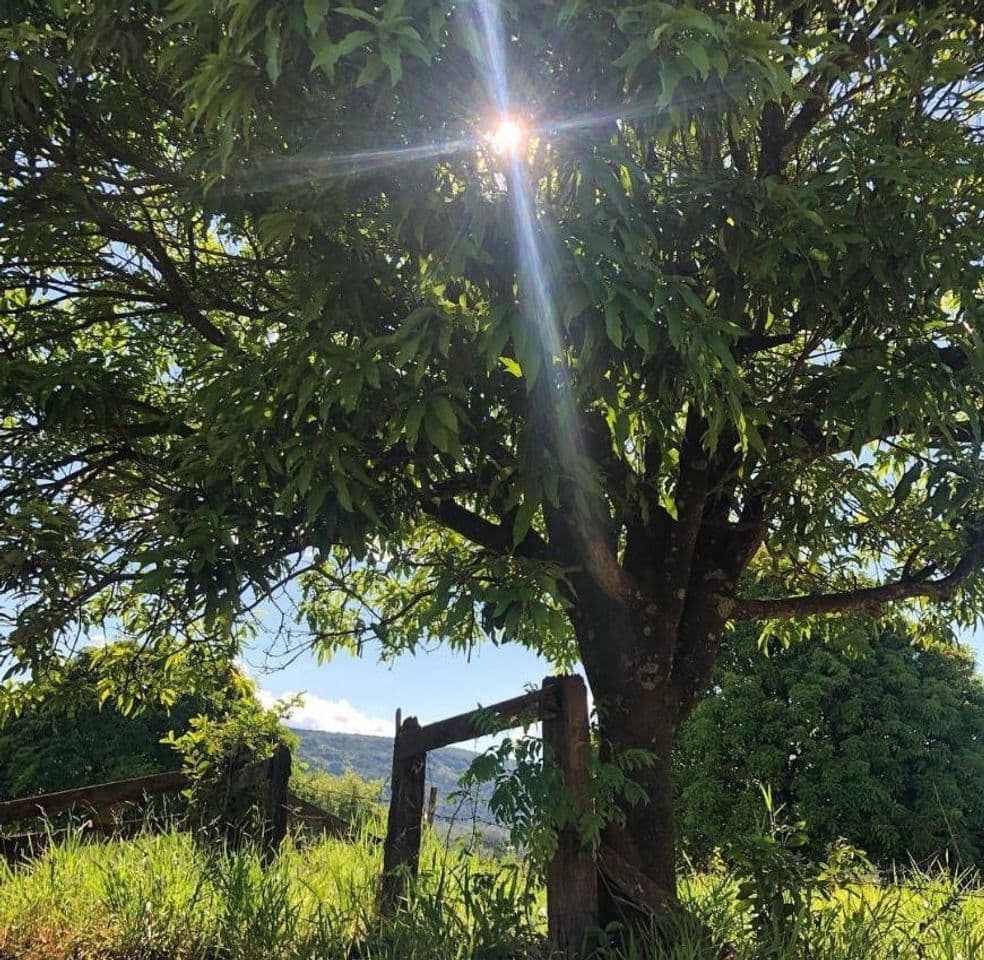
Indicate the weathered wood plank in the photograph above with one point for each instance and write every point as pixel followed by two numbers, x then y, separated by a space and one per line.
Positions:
pixel 330 824
pixel 401 849
pixel 535 705
pixel 96 797
pixel 572 877
pixel 250 776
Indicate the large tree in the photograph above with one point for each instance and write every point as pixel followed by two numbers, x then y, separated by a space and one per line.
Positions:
pixel 872 739
pixel 275 308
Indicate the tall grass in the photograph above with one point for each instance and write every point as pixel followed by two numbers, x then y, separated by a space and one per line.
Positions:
pixel 165 897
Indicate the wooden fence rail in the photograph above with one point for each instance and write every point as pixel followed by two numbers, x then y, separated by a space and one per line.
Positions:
pixel 97 798
pixel 536 705
pixel 102 801
pixel 561 704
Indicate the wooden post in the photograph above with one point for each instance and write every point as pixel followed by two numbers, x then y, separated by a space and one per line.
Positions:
pixel 401 849
pixel 431 806
pixel 276 802
pixel 572 879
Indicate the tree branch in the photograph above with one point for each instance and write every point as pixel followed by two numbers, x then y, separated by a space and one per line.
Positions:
pixel 180 295
pixel 864 599
pixel 491 536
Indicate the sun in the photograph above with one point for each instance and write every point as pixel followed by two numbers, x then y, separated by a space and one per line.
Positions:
pixel 508 137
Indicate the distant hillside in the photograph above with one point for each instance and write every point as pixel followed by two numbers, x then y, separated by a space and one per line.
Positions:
pixel 372 759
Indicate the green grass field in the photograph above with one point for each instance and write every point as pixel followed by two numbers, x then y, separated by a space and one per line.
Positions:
pixel 163 898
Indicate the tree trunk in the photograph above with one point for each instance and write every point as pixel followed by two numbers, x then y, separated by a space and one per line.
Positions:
pixel 644 685
pixel 644 866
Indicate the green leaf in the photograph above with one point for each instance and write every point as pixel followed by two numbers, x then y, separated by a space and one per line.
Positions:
pixel 271 46
pixel 436 20
pixel 907 482
pixel 411 428
pixel 373 68
pixel 436 432
pixel 511 366
pixel 314 15
pixel 316 498
pixel 697 55
pixel 445 412
pixel 415 48
pixel 330 53
pixel 356 13
pixel 613 323
pixel 691 299
pixel 524 519
pixel 390 54
pixel 342 492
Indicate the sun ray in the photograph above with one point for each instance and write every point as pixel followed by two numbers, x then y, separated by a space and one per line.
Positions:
pixel 554 405
pixel 310 168
pixel 601 118
pixel 495 54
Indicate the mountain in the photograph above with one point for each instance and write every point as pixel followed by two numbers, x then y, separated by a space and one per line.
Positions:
pixel 372 759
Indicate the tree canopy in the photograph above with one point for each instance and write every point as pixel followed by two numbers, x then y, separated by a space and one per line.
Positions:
pixel 275 310
pixel 872 740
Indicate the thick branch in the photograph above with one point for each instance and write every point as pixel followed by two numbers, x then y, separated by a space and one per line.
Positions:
pixel 864 599
pixel 691 496
pixel 492 536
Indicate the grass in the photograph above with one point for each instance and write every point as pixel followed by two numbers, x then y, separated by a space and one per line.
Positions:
pixel 165 898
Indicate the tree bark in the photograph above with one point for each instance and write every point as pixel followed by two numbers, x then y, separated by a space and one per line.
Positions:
pixel 641 701
pixel 645 841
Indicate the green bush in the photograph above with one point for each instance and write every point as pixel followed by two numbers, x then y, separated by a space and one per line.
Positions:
pixel 349 796
pixel 868 738
pixel 215 751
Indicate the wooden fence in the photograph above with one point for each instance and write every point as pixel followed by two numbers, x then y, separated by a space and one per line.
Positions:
pixel 561 704
pixel 103 802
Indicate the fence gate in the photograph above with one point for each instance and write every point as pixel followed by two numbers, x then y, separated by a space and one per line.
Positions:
pixel 561 704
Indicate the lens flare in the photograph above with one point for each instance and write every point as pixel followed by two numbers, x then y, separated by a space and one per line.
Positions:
pixel 508 138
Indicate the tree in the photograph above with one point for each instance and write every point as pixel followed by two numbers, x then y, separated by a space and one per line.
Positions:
pixel 72 731
pixel 276 312
pixel 876 741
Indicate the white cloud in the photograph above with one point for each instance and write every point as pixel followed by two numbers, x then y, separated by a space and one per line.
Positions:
pixel 335 716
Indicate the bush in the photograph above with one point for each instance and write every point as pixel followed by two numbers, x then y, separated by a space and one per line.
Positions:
pixel 215 751
pixel 348 796
pixel 877 741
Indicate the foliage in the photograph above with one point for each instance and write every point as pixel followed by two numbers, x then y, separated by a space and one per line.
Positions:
pixel 252 348
pixel 780 886
pixel 874 740
pixel 215 749
pixel 348 795
pixel 529 798
pixel 718 320
pixel 72 730
pixel 163 896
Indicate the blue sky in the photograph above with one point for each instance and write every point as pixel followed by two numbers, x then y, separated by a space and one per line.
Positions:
pixel 361 696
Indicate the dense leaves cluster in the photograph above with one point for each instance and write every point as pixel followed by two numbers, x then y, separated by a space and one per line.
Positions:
pixel 74 731
pixel 223 345
pixel 880 743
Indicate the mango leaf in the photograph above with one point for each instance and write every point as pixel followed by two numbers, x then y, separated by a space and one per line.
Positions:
pixel 524 519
